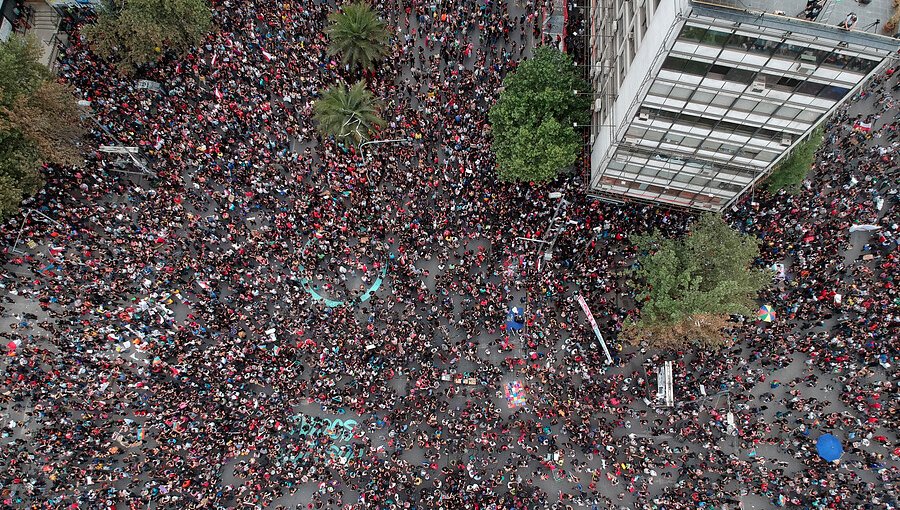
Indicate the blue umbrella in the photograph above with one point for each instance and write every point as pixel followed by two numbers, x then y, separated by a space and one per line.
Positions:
pixel 829 447
pixel 514 319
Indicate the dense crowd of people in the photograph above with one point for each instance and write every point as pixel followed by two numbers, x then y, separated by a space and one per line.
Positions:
pixel 182 345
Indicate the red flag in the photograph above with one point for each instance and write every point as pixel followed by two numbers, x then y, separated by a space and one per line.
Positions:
pixel 218 94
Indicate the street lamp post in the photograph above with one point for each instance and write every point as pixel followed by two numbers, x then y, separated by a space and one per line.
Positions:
pixel 117 148
pixel 374 142
pixel 15 245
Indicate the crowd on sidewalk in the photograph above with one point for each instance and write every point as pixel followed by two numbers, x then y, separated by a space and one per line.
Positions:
pixel 177 342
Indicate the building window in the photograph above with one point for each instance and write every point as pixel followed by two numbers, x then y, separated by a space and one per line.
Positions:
pixel 680 94
pixel 808 116
pixel 682 65
pixel 810 88
pixel 746 105
pixel 723 101
pixel 832 92
pixel 660 89
pixel 740 75
pixel 710 145
pixel 702 97
pixel 765 46
pixel 741 42
pixel 764 108
pixel 787 112
pixel 692 33
pixel 715 38
pixel 861 65
pixel 789 51
pixel 781 83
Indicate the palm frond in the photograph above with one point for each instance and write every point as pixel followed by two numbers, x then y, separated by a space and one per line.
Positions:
pixel 348 113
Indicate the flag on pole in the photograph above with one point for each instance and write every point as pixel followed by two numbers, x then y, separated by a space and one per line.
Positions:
pixel 140 433
pixel 218 93
pixel 213 63
pixel 268 56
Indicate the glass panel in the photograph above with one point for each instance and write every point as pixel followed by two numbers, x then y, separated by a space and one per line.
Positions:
pixel 745 105
pixel 781 83
pixel 727 186
pixel 764 46
pixel 700 181
pixel 789 51
pixel 787 112
pixel 810 88
pixel 832 92
pixel 654 136
pixel 718 72
pixel 674 63
pixel 715 38
pixel 808 116
pixel 696 67
pixel 861 65
pixel 680 93
pixel 723 101
pixel 741 42
pixel 661 89
pixel 740 75
pixel 690 33
pixel 636 132
pixel 765 108
pixel 837 60
pixel 702 97
pixel 691 142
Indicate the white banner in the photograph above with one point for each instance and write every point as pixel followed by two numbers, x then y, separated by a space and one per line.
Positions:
pixel 590 318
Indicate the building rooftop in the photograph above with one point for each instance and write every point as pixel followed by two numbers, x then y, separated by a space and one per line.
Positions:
pixel 871 15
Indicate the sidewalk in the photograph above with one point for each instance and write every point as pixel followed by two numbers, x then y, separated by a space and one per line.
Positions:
pixel 43 24
pixel 554 25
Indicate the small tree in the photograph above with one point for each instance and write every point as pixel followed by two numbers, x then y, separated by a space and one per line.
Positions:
pixel 39 122
pixel 533 121
pixel 791 171
pixel 134 33
pixel 348 113
pixel 358 35
pixel 688 284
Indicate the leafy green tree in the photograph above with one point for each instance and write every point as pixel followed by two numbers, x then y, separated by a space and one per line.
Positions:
pixel 134 33
pixel 533 121
pixel 348 114
pixel 701 278
pixel 39 122
pixel 358 35
pixel 536 154
pixel 789 174
pixel 21 71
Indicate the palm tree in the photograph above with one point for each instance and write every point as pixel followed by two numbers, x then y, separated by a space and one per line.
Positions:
pixel 348 113
pixel 358 35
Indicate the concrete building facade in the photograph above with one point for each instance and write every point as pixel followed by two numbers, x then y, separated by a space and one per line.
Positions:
pixel 697 101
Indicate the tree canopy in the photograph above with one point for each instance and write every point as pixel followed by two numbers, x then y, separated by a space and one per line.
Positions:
pixel 348 113
pixel 39 122
pixel 533 121
pixel 357 35
pixel 688 283
pixel 134 33
pixel 790 173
